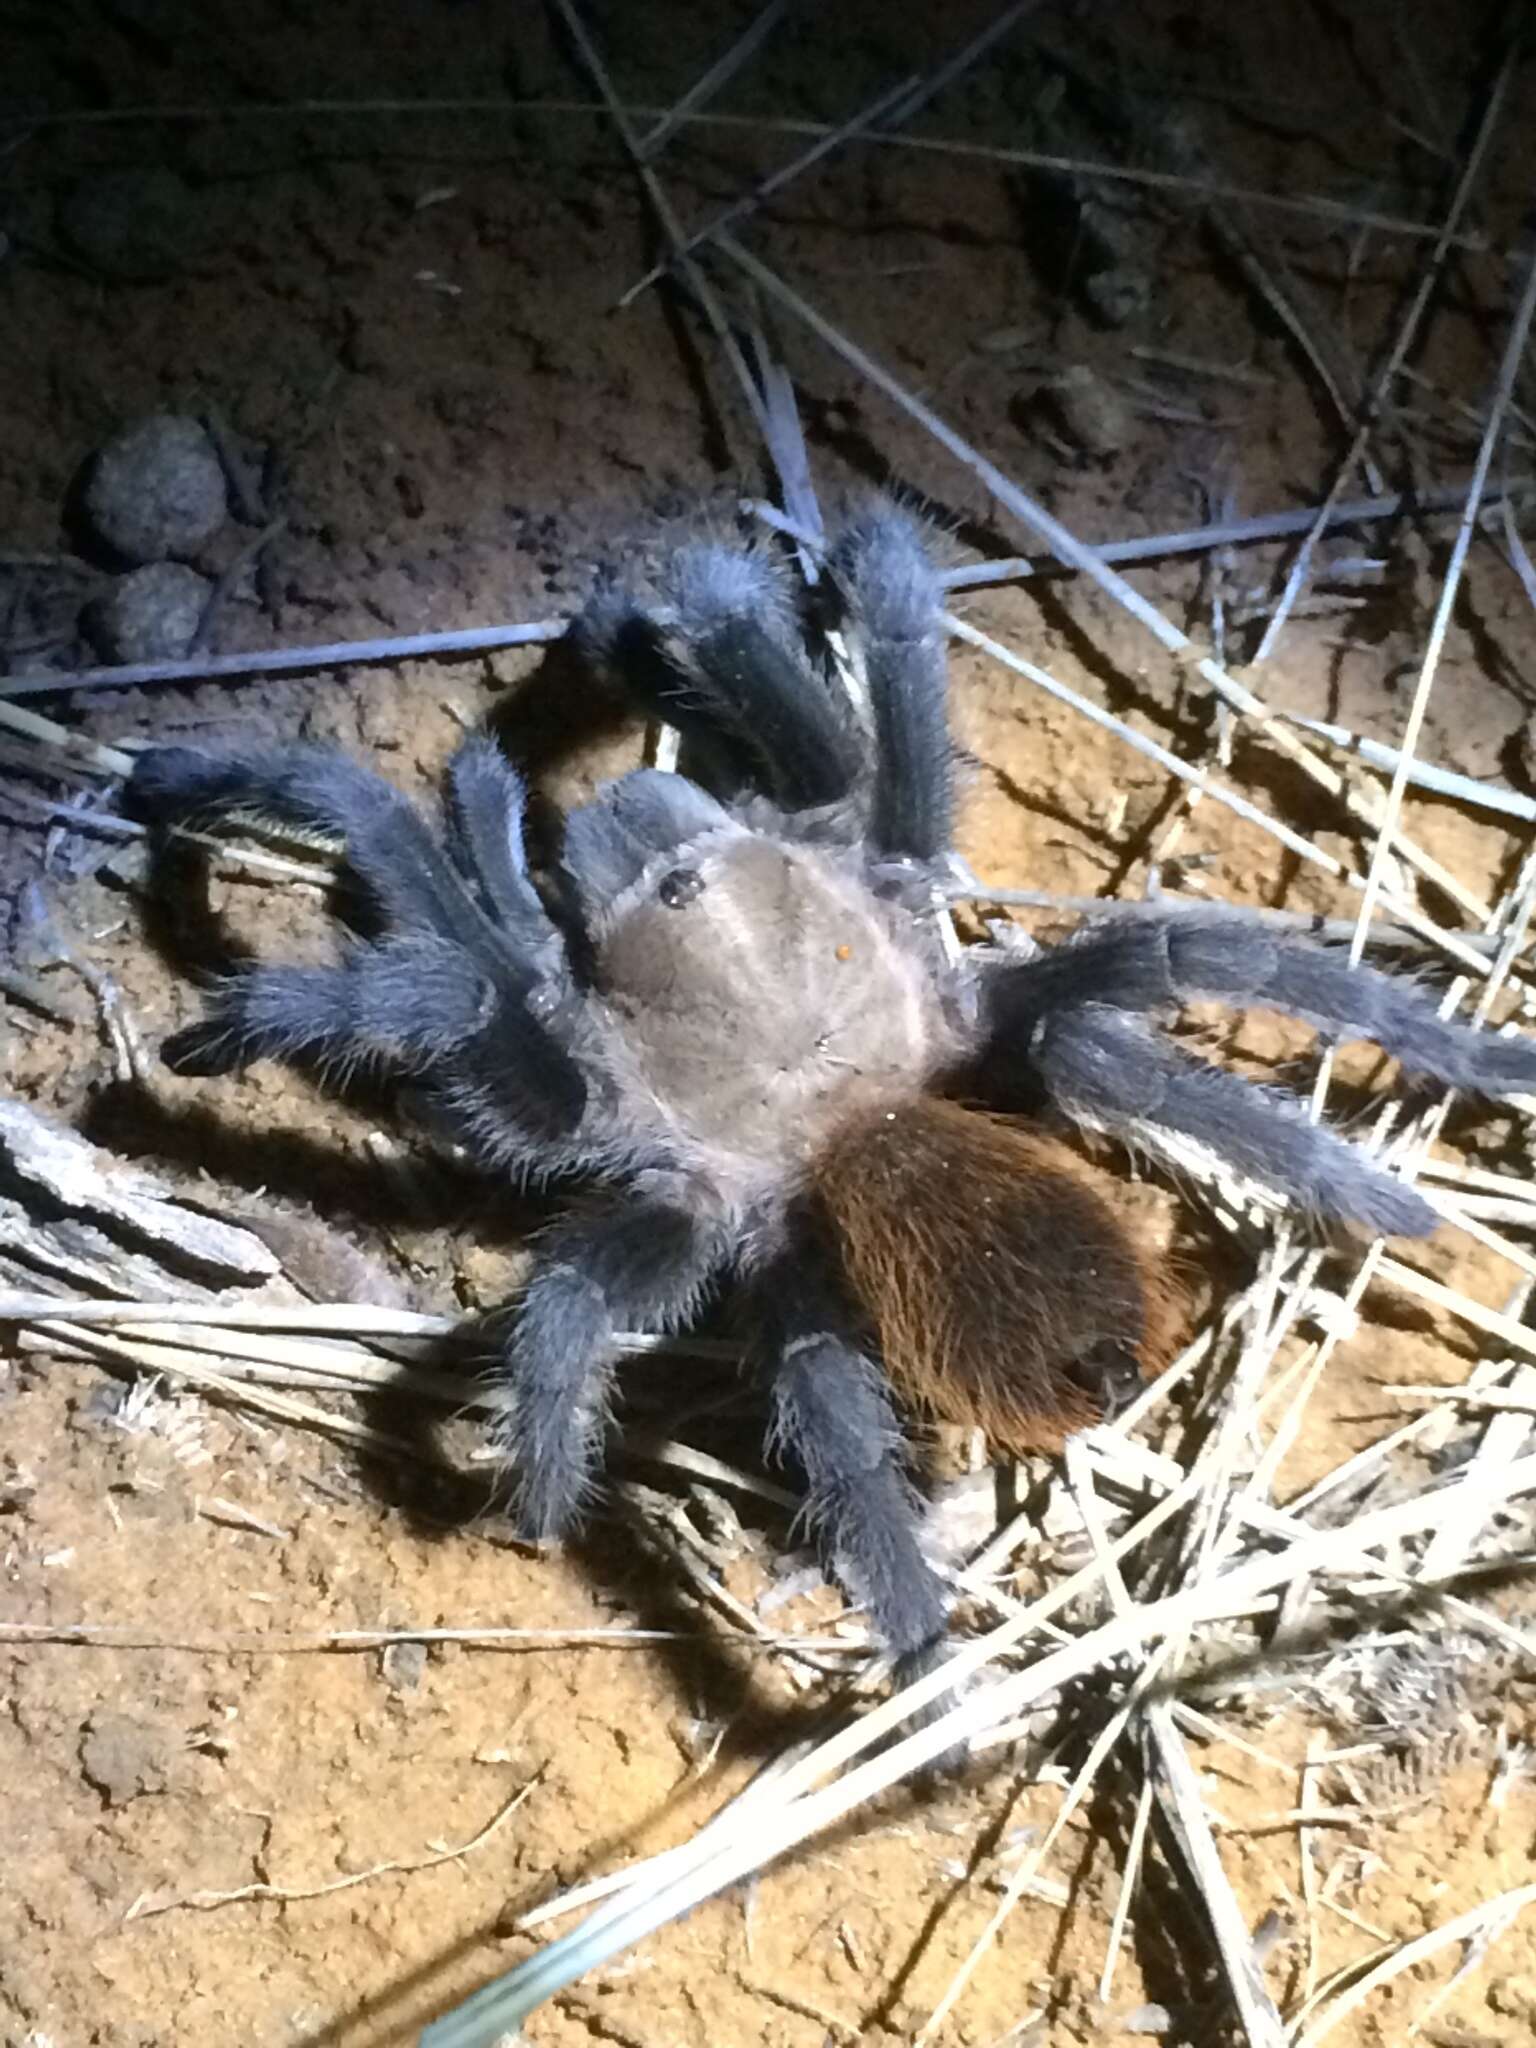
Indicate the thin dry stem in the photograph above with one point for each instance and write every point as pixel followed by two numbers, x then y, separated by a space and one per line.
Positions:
pixel 150 1904
pixel 1381 387
pixel 1351 1987
pixel 1514 350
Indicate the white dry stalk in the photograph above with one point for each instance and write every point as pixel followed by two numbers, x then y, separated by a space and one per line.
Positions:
pixel 1514 351
pixel 1130 1878
pixel 1490 1209
pixel 1508 1329
pixel 1466 1219
pixel 1194 540
pixel 1066 545
pixel 327 1357
pixel 1309 1803
pixel 1456 1171
pixel 651 1897
pixel 353 1319
pixel 227 858
pixel 764 1789
pixel 1521 1403
pixel 79 1338
pixel 1080 1479
pixel 73 747
pixel 1191 1824
pixel 1381 386
pixel 1479 1922
pixel 1197 778
pixel 1470 789
pixel 719 74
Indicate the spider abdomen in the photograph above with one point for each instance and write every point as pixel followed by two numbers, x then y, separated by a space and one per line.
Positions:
pixel 1005 1290
pixel 762 994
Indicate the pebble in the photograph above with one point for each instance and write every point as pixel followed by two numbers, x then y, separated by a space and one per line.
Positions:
pixel 157 489
pixel 124 1756
pixel 151 614
pixel 1087 415
pixel 403 1666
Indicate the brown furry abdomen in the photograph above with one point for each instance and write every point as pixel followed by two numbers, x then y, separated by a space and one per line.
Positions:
pixel 1005 1290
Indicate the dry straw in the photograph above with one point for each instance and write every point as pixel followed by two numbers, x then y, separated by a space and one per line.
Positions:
pixel 1216 1520
pixel 1196 1572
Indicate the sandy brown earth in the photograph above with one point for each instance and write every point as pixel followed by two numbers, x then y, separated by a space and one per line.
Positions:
pixel 215 1829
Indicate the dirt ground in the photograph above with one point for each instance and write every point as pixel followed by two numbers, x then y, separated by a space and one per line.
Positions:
pixel 215 1831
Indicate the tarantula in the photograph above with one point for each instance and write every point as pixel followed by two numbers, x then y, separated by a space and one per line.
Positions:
pixel 732 1001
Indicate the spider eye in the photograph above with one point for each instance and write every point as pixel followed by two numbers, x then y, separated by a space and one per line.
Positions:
pixel 680 887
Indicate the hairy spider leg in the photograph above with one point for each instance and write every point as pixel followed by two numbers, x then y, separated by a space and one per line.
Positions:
pixel 1153 964
pixel 643 1262
pixel 319 793
pixel 398 1007
pixel 441 983
pixel 833 1416
pixel 484 819
pixel 893 618
pixel 1105 1068
pixel 722 664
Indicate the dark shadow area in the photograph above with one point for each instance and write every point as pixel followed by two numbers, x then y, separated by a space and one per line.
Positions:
pixel 563 706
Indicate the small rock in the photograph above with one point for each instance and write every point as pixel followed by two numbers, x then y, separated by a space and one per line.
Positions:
pixel 1146 2019
pixel 1119 294
pixel 403 1665
pixel 123 1757
pixel 1087 418
pixel 157 489
pixel 151 614
pixel 135 226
